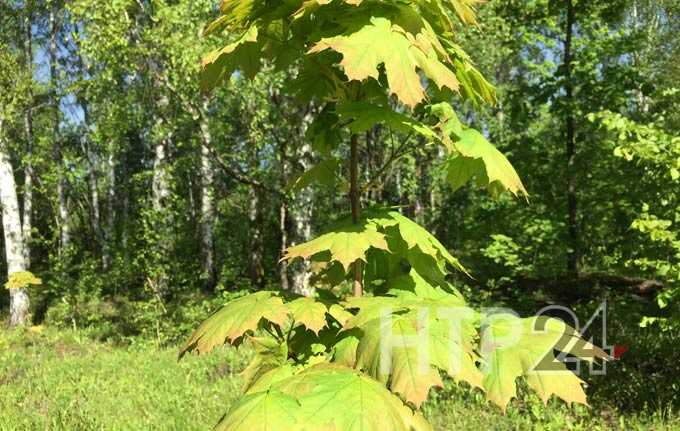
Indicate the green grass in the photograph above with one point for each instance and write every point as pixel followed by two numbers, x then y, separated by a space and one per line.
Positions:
pixel 63 380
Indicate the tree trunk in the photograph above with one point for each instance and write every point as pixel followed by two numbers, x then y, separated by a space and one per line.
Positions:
pixel 355 199
pixel 283 213
pixel 110 233
pixel 255 266
pixel 574 254
pixel 27 213
pixel 283 231
pixel 63 216
pixel 207 207
pixel 302 219
pixel 14 239
pixel 160 194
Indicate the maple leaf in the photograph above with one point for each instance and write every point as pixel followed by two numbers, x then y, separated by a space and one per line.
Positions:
pixel 242 54
pixel 270 355
pixel 270 410
pixel 308 312
pixel 414 243
pixel 345 350
pixel 415 235
pixel 346 244
pixel 366 115
pixel 406 373
pixel 382 42
pixel 465 9
pixel 451 352
pixel 332 397
pixel 514 347
pixel 478 158
pixel 339 313
pixel 235 319
pixel 324 173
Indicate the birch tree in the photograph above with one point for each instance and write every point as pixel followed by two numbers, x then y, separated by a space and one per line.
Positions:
pixel 12 89
pixel 14 238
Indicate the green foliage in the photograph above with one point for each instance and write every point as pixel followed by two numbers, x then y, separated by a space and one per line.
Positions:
pixel 657 156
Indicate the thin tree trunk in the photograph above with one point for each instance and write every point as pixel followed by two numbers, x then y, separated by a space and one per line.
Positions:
pixel 283 230
pixel 642 100
pixel 207 207
pixel 14 240
pixel 109 234
pixel 256 268
pixel 355 199
pixel 574 254
pixel 64 221
pixel 160 194
pixel 93 185
pixel 302 218
pixel 283 213
pixel 27 215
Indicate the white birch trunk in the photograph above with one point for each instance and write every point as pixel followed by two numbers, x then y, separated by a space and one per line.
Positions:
pixel 14 239
pixel 207 207
pixel 301 215
pixel 160 193
pixel 110 208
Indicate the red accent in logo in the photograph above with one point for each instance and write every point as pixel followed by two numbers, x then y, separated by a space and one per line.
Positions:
pixel 619 350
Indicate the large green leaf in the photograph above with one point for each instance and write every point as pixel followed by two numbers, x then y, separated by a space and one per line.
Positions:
pixel 441 322
pixel 270 355
pixel 235 319
pixel 381 230
pixel 339 398
pixel 324 173
pixel 514 347
pixel 365 115
pixel 404 370
pixel 308 312
pixel 347 244
pixel 382 42
pixel 242 54
pixel 270 410
pixel 323 397
pixel 476 157
pixel 415 235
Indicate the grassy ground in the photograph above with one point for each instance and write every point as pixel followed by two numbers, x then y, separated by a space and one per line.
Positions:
pixel 65 381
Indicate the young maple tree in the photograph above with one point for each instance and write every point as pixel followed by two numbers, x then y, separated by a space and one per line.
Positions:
pixel 368 362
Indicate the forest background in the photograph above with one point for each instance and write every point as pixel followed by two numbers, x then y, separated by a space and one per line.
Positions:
pixel 143 203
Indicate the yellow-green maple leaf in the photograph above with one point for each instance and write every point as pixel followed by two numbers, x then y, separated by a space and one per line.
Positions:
pixel 406 374
pixel 333 397
pixel 514 347
pixel 382 42
pixel 346 245
pixel 270 410
pixel 235 319
pixel 478 158
pixel 308 312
